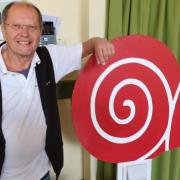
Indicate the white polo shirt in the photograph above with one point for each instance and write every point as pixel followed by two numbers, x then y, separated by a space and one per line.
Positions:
pixel 23 120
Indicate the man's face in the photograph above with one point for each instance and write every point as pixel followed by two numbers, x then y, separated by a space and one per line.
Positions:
pixel 22 30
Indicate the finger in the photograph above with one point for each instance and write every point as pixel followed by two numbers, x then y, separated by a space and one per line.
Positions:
pixel 99 56
pixel 110 51
pixel 104 52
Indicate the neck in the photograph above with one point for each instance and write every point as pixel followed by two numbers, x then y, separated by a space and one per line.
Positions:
pixel 15 62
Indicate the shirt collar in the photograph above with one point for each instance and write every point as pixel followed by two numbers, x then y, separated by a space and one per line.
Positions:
pixel 3 69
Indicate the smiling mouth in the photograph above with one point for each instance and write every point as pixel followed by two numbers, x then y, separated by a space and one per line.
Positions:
pixel 24 42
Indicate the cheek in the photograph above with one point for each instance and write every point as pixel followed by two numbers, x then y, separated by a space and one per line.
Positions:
pixel 5 35
pixel 9 36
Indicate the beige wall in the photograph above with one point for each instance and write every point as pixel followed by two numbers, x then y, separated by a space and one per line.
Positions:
pixel 70 12
pixel 76 24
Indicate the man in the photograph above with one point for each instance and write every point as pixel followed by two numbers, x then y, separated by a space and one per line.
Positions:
pixel 27 131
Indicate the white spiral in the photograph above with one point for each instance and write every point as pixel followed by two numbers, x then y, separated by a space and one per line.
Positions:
pixel 132 112
pixel 141 85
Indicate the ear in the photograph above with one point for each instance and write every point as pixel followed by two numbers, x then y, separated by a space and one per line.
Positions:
pixel 2 29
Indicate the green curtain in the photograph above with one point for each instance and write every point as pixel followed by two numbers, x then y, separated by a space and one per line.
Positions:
pixel 160 19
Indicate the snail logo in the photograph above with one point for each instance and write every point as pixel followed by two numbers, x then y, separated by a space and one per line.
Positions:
pixel 127 109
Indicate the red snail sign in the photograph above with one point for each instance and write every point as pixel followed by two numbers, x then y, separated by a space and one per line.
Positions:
pixel 127 110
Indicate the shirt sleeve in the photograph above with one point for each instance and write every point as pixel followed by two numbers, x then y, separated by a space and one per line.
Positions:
pixel 65 59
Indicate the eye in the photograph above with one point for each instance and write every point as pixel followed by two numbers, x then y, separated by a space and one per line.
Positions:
pixel 16 26
pixel 33 28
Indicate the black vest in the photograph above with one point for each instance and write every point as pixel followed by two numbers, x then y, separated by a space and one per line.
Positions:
pixel 47 89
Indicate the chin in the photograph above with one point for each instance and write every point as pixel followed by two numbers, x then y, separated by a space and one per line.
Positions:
pixel 26 54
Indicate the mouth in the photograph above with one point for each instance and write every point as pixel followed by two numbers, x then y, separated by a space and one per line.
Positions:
pixel 24 42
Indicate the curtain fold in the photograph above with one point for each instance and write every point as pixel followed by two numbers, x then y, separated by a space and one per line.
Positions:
pixel 106 171
pixel 159 19
pixel 167 166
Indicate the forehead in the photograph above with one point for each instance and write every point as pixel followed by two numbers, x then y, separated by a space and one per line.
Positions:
pixel 19 12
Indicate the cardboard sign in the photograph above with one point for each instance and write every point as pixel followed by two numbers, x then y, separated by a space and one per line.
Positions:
pixel 127 110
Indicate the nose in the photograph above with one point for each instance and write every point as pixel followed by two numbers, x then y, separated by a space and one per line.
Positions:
pixel 24 30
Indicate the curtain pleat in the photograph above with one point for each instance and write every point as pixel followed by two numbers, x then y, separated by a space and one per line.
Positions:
pixel 106 171
pixel 159 19
pixel 167 166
